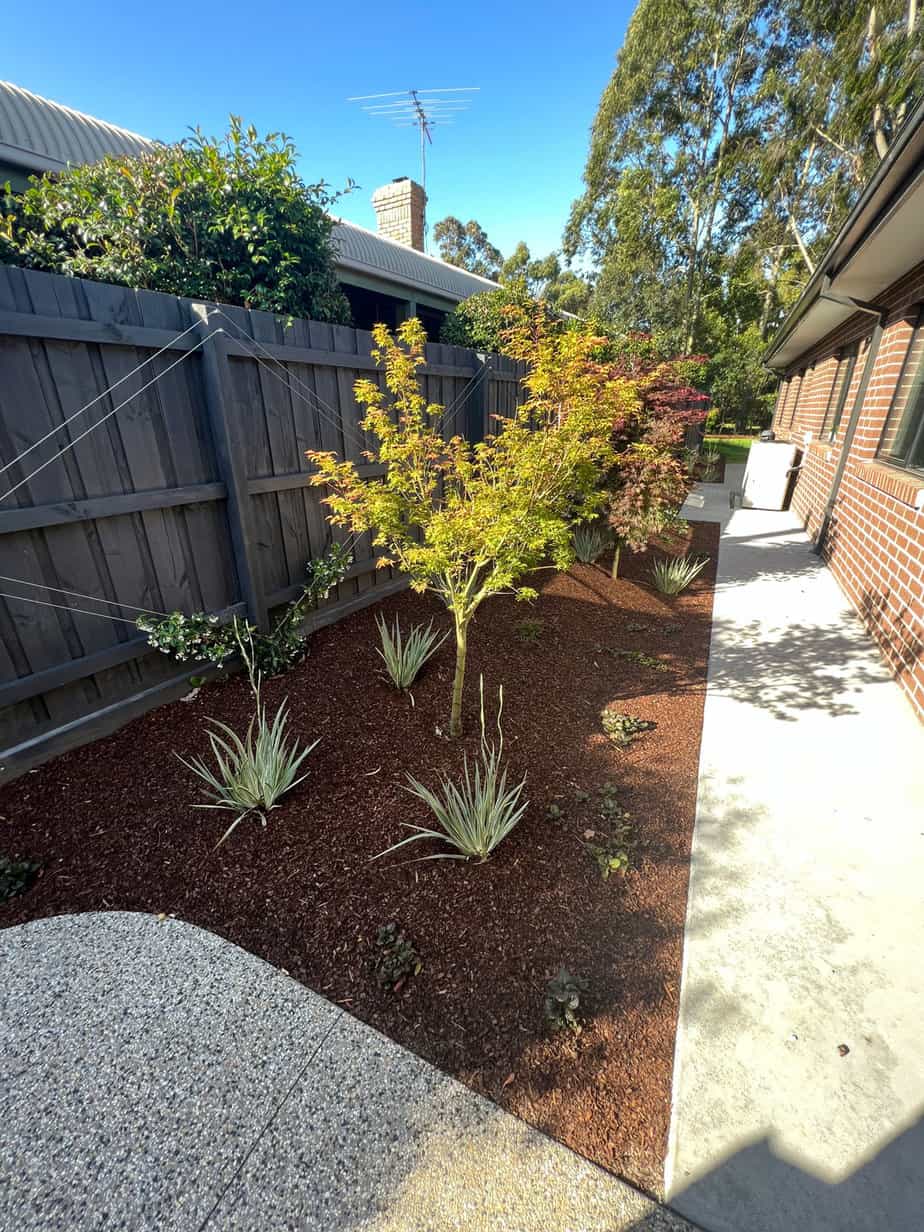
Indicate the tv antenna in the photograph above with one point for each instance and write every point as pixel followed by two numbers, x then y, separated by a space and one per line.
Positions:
pixel 420 109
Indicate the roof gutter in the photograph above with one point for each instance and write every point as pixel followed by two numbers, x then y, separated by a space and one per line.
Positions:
pixel 843 246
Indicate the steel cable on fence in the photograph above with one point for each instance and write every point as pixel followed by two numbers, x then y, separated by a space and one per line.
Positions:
pixel 109 414
pixel 93 401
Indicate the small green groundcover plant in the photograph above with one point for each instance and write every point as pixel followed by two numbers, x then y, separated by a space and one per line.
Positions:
pixel 250 774
pixel 203 637
pixel 16 876
pixel 396 958
pixel 404 654
pixel 641 659
pixel 529 629
pixel 563 1001
pixel 611 846
pixel 674 574
pixel 479 812
pixel 622 729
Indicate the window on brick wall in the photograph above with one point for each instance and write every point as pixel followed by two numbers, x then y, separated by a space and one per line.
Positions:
pixel 795 388
pixel 837 399
pixel 902 441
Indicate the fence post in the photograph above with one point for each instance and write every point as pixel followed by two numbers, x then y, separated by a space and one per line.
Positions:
pixel 476 419
pixel 230 457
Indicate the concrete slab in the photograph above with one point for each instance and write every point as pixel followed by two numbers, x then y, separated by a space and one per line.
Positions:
pixel 140 1059
pixel 375 1139
pixel 158 1077
pixel 805 913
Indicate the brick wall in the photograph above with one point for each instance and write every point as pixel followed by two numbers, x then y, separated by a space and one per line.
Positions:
pixel 875 539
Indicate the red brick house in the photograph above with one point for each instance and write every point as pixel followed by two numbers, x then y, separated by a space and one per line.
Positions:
pixel 851 358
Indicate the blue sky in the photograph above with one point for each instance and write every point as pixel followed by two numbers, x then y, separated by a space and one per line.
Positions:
pixel 513 161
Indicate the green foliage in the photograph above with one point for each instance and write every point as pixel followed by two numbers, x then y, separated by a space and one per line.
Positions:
pixel 203 636
pixel 674 574
pixel 227 220
pixel 709 461
pixel 611 848
pixel 641 659
pixel 16 876
pixel 728 146
pixel 467 245
pixel 405 654
pixel 478 813
pixel 529 629
pixel 562 289
pixel 250 774
pixel 622 729
pixel 481 321
pixel 590 541
pixel 397 959
pixel 470 521
pixel 198 637
pixel 563 1001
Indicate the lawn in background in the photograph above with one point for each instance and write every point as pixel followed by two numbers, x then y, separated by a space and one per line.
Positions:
pixel 732 448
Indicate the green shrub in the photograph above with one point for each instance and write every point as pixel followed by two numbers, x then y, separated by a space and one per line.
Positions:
pixel 481 321
pixel 203 636
pixel 563 1000
pixel 397 958
pixel 590 541
pixel 227 220
pixel 674 574
pixel 477 814
pixel 16 876
pixel 404 655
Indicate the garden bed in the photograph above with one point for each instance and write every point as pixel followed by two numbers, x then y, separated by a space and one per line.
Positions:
pixel 113 826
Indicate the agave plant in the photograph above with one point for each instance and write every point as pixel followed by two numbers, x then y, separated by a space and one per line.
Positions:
pixel 404 655
pixel 675 573
pixel 251 774
pixel 475 814
pixel 590 540
pixel 710 459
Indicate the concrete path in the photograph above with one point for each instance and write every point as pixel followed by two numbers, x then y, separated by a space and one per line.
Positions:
pixel 806 912
pixel 156 1077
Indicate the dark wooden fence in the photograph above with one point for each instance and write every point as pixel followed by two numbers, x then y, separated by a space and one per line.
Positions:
pixel 193 496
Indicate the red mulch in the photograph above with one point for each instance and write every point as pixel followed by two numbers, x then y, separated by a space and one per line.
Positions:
pixel 115 830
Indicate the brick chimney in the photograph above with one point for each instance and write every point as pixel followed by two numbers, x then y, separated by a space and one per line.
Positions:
pixel 399 211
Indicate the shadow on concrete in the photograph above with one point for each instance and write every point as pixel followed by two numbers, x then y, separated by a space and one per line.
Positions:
pixel 885 1194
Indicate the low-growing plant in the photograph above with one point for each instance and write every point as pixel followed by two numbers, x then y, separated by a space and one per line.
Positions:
pixel 642 659
pixel 709 462
pixel 397 959
pixel 590 540
pixel 563 1001
pixel 475 815
pixel 622 729
pixel 529 629
pixel 250 774
pixel 612 847
pixel 203 636
pixel 16 876
pixel 637 626
pixel 554 813
pixel 405 654
pixel 674 574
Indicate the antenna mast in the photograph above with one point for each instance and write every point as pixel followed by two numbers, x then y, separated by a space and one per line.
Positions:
pixel 419 109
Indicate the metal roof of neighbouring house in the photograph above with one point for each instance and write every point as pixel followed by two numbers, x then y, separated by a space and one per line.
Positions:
pixel 40 135
pixel 368 253
pixel 880 241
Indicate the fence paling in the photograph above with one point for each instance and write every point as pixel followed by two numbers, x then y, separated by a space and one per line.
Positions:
pixel 194 496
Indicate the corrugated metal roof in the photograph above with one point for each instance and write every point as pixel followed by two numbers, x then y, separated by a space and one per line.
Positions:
pixel 40 135
pixel 365 251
